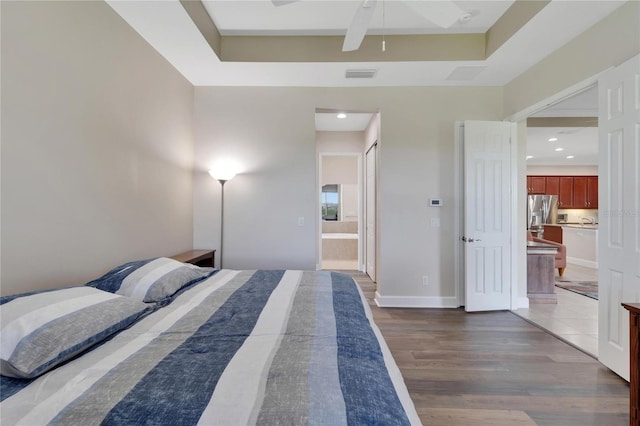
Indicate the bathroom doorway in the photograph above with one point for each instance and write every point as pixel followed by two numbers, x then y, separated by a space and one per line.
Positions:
pixel 342 138
pixel 340 210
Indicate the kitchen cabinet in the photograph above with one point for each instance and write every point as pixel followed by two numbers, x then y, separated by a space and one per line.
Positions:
pixel 580 192
pixel 592 192
pixel 552 185
pixel 536 184
pixel 581 244
pixel 553 233
pixel 565 192
pixel 585 192
pixel 574 192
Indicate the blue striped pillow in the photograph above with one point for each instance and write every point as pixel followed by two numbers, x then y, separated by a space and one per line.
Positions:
pixel 41 330
pixel 152 280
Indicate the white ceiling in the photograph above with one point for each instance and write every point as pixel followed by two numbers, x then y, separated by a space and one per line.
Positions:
pixel 329 122
pixel 169 29
pixel 581 142
pixel 332 17
pixel 584 104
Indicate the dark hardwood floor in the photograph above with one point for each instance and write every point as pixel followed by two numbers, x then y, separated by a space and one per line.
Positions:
pixel 495 369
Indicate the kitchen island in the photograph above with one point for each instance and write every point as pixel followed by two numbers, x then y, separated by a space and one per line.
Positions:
pixel 582 244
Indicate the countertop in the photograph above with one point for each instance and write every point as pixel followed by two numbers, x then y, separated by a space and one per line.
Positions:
pixel 579 226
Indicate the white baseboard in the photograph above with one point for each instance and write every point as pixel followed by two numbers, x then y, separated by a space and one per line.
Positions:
pixel 415 301
pixel 582 262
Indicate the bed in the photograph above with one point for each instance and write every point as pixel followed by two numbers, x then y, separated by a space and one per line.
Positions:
pixel 220 347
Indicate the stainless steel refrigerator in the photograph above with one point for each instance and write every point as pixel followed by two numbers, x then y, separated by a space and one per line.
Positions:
pixel 541 210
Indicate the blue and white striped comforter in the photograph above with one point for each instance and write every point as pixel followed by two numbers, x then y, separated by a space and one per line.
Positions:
pixel 242 347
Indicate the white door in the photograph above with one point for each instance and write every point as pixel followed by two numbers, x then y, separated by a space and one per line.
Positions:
pixel 619 207
pixel 487 216
pixel 370 231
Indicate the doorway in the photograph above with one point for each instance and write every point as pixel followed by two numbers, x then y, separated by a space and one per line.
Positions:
pixel 342 139
pixel 562 144
pixel 340 211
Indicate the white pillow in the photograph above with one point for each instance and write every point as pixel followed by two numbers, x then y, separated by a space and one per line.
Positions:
pixel 152 280
pixel 43 329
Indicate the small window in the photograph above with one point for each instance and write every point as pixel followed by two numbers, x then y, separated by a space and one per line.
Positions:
pixel 330 202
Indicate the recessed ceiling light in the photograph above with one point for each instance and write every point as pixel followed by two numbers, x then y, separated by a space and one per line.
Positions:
pixel 552 139
pixel 570 157
pixel 559 149
pixel 342 115
pixel 529 157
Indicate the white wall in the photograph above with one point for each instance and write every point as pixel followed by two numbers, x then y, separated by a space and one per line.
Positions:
pixel 333 142
pixel 563 170
pixel 97 146
pixel 340 169
pixel 271 131
pixel 608 43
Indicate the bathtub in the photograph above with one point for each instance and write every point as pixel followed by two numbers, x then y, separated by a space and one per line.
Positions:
pixel 339 246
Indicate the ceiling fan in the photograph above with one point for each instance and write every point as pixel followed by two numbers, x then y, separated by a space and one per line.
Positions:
pixel 443 13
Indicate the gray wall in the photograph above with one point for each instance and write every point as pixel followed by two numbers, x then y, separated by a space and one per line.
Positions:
pixel 271 132
pixel 97 146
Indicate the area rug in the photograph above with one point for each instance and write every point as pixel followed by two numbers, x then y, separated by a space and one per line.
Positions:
pixel 586 288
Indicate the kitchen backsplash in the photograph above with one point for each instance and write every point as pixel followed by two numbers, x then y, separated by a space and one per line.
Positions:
pixel 574 215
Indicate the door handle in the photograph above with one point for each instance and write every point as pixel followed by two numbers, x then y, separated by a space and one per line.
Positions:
pixel 470 240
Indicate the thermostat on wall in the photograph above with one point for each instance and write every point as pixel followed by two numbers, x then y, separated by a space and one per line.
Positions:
pixel 435 202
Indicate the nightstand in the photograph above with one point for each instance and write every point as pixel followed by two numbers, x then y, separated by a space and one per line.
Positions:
pixel 197 257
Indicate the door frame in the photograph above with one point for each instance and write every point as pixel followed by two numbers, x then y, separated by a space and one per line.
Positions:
pixel 360 186
pixel 368 212
pixel 520 174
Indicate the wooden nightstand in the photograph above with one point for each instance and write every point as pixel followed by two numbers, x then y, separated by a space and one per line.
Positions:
pixel 197 257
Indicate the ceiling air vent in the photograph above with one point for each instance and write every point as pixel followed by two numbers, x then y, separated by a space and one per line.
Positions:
pixel 361 73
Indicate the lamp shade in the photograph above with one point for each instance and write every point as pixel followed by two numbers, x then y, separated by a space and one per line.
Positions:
pixel 223 171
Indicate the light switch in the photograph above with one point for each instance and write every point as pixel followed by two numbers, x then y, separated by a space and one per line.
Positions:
pixel 300 220
pixel 435 222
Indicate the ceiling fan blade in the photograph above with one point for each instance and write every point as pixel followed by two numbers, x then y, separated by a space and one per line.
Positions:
pixel 443 13
pixel 282 2
pixel 359 25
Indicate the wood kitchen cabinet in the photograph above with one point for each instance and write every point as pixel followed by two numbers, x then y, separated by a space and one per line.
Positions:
pixel 552 184
pixel 536 184
pixel 565 192
pixel 574 192
pixel 585 192
pixel 592 192
pixel 580 192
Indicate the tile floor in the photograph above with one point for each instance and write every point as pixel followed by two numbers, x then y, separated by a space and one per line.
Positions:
pixel 575 318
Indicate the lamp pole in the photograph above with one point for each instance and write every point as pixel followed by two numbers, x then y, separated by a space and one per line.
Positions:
pixel 222 172
pixel 222 182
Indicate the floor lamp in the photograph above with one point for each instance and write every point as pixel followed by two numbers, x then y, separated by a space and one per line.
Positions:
pixel 222 175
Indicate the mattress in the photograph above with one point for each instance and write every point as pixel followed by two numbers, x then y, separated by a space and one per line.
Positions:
pixel 240 347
